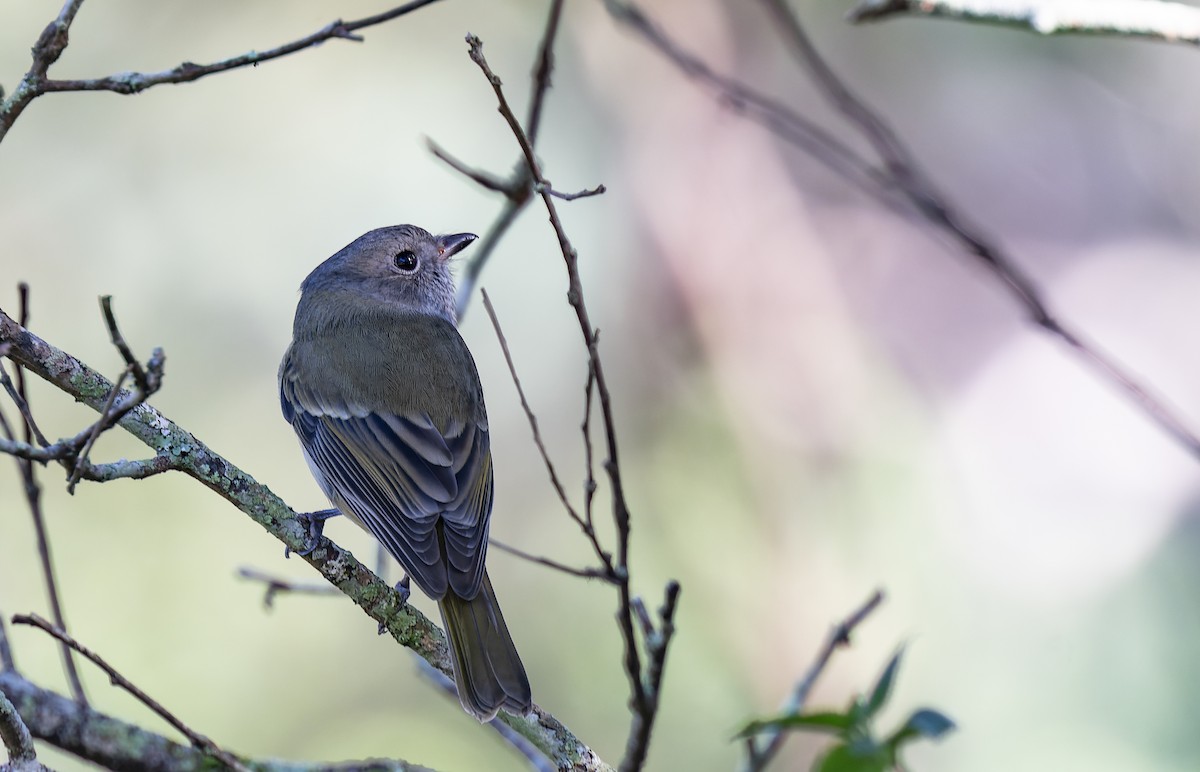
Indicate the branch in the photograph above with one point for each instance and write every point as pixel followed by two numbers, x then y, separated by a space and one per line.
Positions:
pixel 114 744
pixel 198 740
pixel 643 699
pixel 15 737
pixel 54 39
pixel 33 498
pixel 338 566
pixel 899 183
pixel 761 750
pixel 1150 19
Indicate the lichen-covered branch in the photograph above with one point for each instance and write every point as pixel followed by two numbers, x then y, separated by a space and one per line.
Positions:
pixel 1150 19
pixel 338 566
pixel 115 744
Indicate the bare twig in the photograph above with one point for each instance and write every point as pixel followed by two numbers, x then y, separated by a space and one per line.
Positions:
pixel 54 40
pixel 481 178
pixel 33 498
pixel 519 188
pixel 6 655
pixel 198 740
pixel 15 393
pixel 542 72
pixel 898 183
pixel 589 477
pixel 1148 19
pixel 587 193
pixel 537 432
pixel 643 705
pixel 147 380
pixel 760 751
pixel 276 585
pixel 582 573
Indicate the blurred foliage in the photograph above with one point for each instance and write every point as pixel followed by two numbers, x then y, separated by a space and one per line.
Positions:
pixel 857 748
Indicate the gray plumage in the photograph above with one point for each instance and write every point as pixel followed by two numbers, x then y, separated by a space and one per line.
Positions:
pixel 386 401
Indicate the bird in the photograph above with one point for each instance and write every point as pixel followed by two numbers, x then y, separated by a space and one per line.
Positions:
pixel 387 403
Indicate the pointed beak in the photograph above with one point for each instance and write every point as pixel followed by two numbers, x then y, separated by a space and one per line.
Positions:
pixel 451 245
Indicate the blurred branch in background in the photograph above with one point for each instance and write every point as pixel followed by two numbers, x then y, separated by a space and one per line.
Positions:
pixel 1151 19
pixel 53 41
pixel 898 180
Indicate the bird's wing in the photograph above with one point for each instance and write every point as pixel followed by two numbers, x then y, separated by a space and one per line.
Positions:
pixel 424 492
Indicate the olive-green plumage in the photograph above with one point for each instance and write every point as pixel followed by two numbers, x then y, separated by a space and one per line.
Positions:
pixel 385 398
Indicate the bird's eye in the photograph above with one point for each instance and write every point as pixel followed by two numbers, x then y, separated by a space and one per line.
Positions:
pixel 406 261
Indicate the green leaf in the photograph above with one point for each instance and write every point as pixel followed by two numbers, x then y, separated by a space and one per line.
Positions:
pixel 844 758
pixel 883 688
pixel 820 721
pixel 925 722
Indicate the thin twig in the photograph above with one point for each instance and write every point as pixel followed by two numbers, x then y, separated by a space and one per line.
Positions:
pixel 1148 19
pixel 760 751
pixel 589 477
pixel 642 706
pixel 31 429
pixel 487 245
pixel 587 193
pixel 582 573
pixel 33 498
pixel 542 71
pixel 198 740
pixel 519 189
pixel 52 42
pixel 98 427
pixel 6 656
pixel 530 416
pixel 276 585
pixel 481 178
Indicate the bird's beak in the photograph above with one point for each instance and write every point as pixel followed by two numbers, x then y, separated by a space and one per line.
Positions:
pixel 451 245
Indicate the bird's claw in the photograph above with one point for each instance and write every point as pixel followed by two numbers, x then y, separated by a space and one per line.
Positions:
pixel 404 587
pixel 314 522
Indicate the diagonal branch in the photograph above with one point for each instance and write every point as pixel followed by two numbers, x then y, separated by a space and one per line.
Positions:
pixel 761 750
pixel 1149 19
pixel 899 183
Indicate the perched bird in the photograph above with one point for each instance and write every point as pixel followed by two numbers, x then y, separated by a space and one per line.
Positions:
pixel 385 398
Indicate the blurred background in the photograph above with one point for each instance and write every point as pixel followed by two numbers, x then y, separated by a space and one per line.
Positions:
pixel 815 397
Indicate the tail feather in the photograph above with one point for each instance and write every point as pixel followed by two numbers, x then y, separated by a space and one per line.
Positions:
pixel 487 669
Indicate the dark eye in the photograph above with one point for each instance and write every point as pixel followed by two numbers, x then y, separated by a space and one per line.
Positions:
pixel 406 261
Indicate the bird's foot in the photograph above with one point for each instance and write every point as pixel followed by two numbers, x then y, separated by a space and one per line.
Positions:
pixel 315 523
pixel 404 587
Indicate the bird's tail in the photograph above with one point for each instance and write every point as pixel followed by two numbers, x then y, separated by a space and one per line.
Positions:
pixel 487 670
